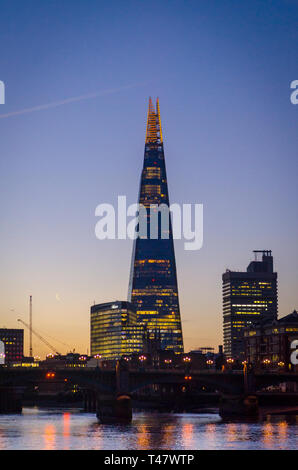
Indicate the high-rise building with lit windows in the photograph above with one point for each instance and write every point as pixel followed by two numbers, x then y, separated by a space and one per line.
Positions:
pixel 12 341
pixel 115 331
pixel 153 286
pixel 248 298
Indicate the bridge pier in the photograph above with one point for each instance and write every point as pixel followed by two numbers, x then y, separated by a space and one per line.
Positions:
pixel 242 405
pixel 11 399
pixel 116 407
pixel 239 407
pixel 90 401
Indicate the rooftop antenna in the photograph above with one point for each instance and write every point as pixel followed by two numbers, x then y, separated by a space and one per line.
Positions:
pixel 30 328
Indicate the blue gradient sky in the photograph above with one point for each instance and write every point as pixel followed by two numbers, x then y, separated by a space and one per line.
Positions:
pixel 222 71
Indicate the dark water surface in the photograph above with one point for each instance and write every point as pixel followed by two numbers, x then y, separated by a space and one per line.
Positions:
pixel 39 428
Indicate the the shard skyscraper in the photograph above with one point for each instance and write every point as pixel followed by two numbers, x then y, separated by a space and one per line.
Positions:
pixel 153 281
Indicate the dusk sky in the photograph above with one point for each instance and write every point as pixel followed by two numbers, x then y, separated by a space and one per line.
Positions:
pixel 222 72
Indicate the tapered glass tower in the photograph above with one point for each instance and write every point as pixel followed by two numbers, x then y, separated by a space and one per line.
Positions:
pixel 153 281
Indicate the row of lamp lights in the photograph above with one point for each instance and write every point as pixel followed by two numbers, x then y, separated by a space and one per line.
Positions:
pixel 186 359
pixel 266 362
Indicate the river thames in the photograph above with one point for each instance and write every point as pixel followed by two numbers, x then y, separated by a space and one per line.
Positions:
pixel 50 429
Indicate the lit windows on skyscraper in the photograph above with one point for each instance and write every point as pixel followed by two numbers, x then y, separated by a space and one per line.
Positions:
pixel 153 282
pixel 115 331
pixel 248 297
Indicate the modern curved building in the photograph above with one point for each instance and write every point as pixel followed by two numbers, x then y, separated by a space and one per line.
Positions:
pixel 114 330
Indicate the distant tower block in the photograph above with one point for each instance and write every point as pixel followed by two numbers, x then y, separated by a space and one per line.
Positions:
pixel 249 297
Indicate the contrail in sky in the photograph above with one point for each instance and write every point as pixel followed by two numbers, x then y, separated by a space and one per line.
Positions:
pixel 73 99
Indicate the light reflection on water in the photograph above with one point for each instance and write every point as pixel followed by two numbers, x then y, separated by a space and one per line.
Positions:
pixel 50 429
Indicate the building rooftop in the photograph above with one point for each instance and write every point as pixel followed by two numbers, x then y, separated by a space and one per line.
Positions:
pixel 290 318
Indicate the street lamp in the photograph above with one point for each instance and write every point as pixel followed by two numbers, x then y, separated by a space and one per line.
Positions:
pixel 98 357
pixel 82 359
pixel 168 361
pixel 186 359
pixel 266 362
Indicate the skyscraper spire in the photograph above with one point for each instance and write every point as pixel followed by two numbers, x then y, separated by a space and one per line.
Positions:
pixel 153 130
pixel 159 120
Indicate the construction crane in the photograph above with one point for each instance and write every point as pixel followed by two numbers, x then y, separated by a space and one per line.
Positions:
pixel 39 337
pixel 30 327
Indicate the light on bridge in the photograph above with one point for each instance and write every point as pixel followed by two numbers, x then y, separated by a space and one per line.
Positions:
pixel 186 359
pixel 50 375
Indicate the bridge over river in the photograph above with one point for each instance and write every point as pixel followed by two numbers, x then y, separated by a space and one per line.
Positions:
pixel 109 392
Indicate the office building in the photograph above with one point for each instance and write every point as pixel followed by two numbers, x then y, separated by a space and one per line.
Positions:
pixel 268 344
pixel 248 298
pixel 13 341
pixel 115 331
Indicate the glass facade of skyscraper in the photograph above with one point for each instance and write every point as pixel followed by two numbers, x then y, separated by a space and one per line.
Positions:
pixel 248 298
pixel 153 282
pixel 115 331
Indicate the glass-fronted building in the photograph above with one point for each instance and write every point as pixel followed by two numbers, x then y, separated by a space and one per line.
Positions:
pixel 248 298
pixel 115 331
pixel 153 286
